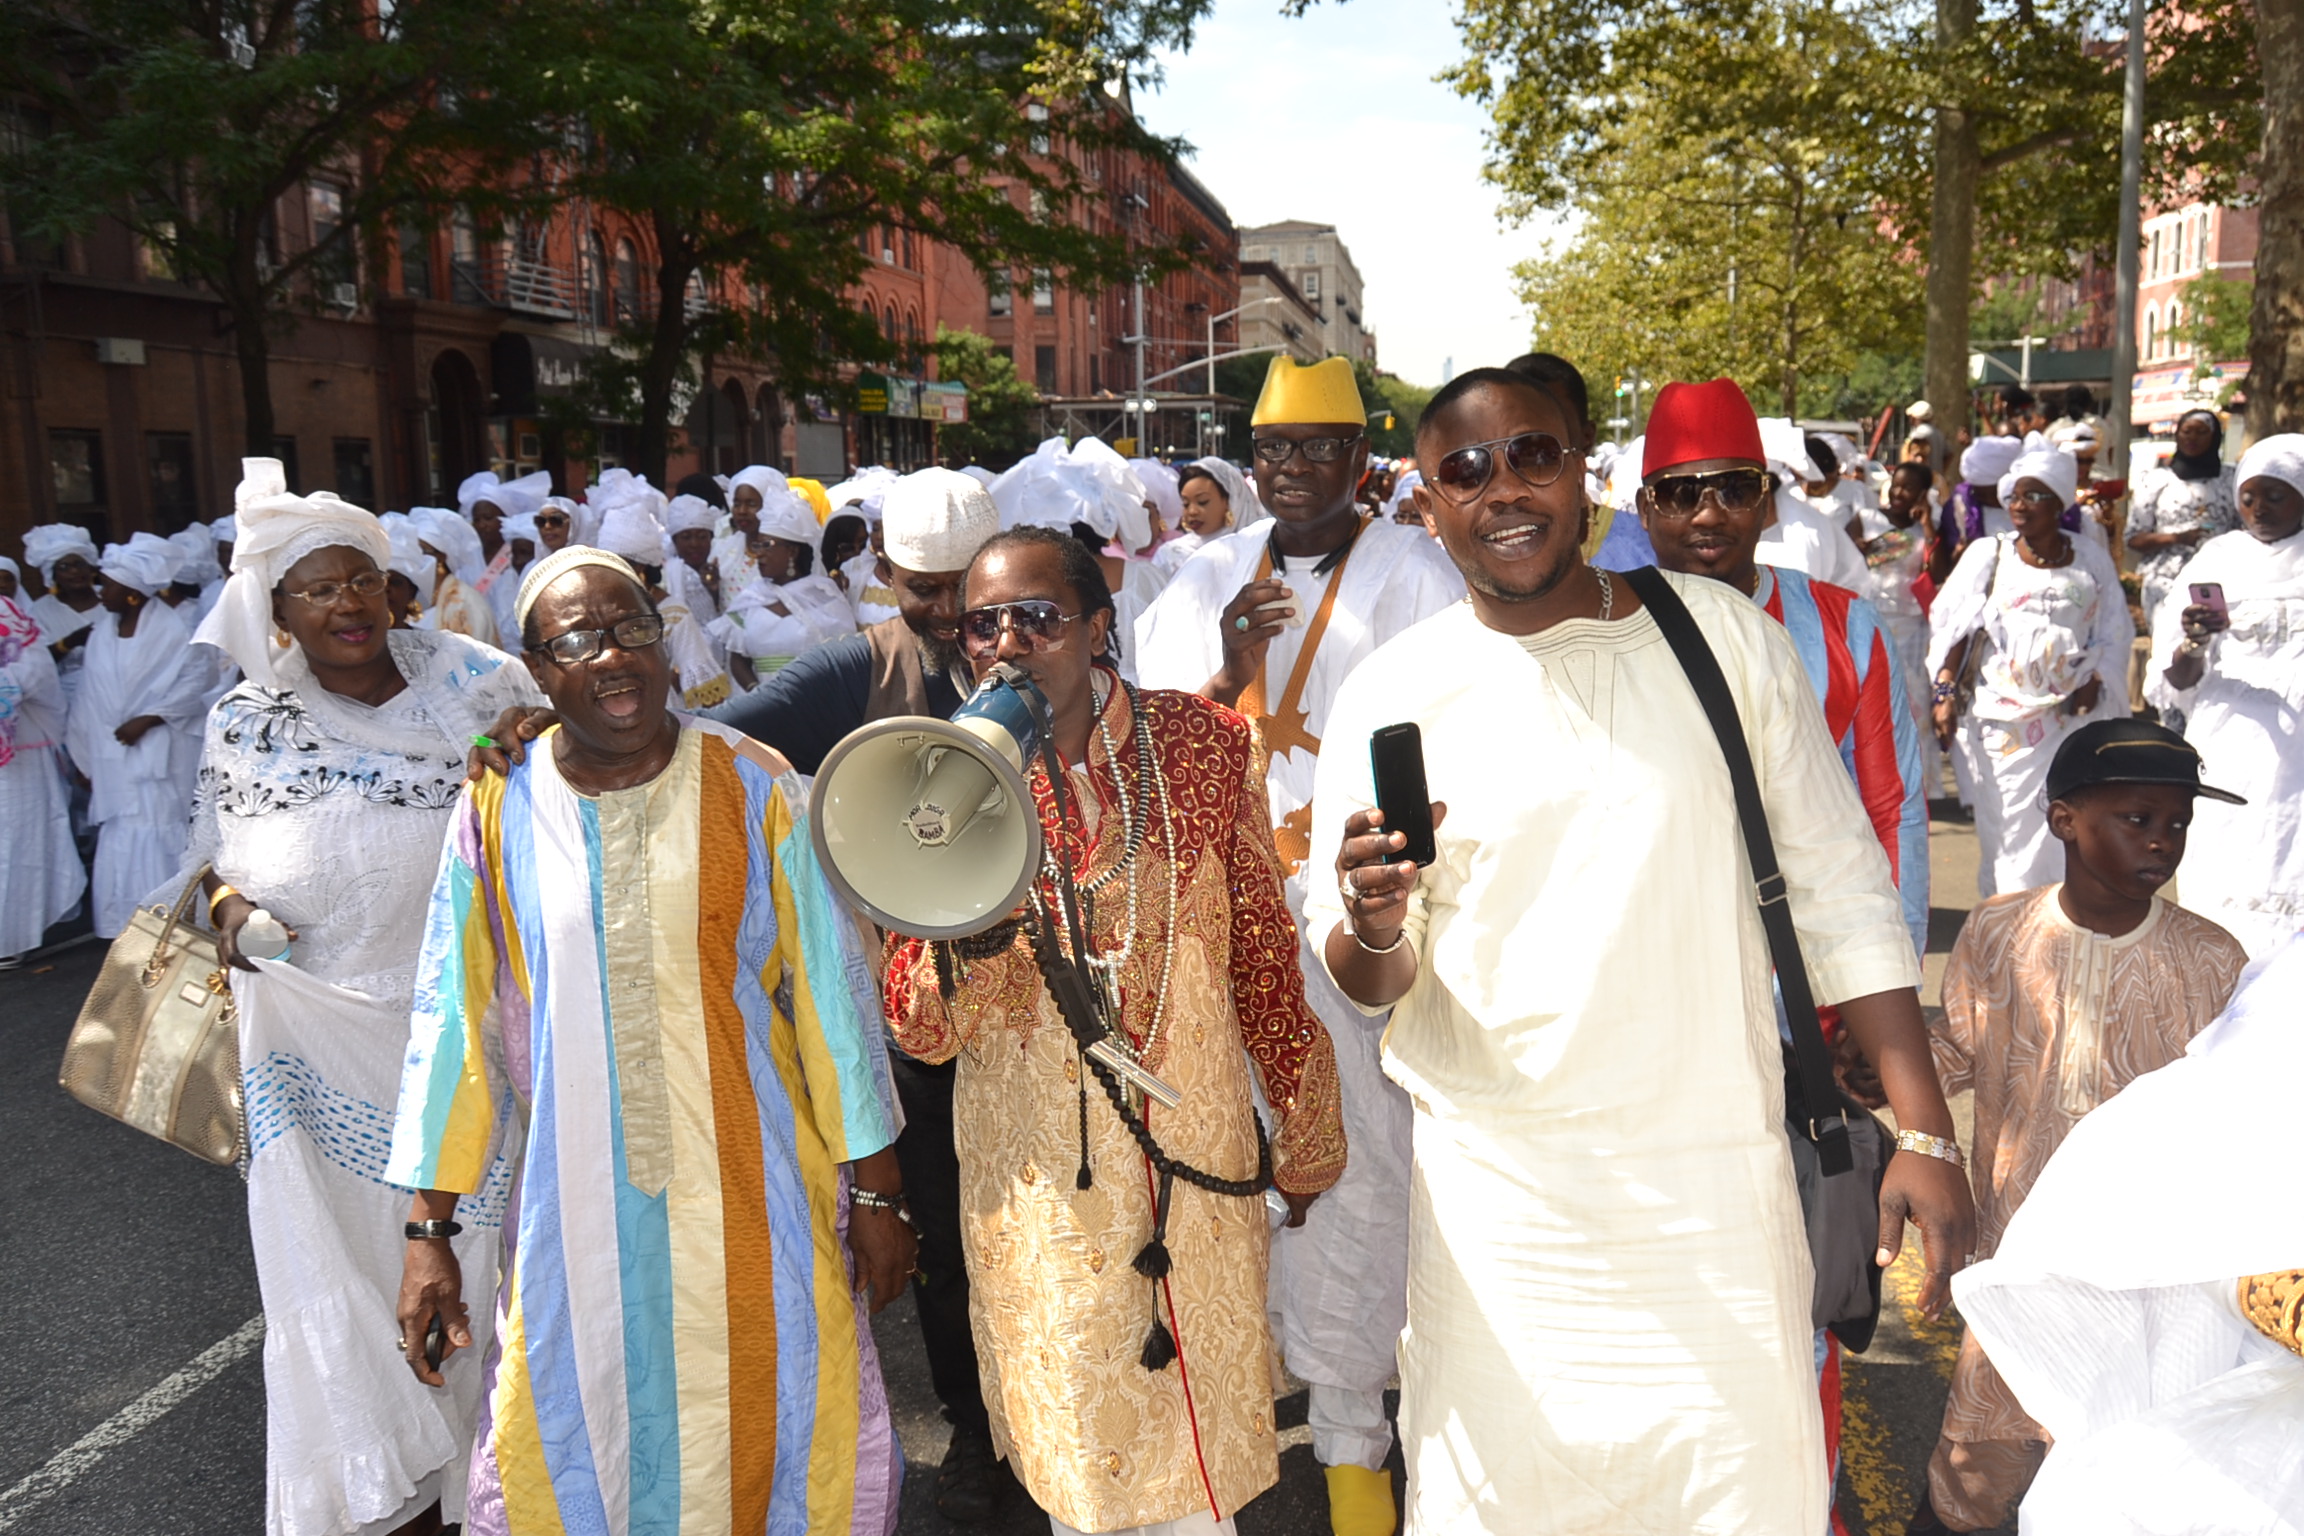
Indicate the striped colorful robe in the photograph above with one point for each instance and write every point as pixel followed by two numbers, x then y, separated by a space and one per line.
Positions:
pixel 689 1027
pixel 1851 665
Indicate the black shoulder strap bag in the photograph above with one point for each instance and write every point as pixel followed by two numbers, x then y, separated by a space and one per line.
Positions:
pixel 1832 1136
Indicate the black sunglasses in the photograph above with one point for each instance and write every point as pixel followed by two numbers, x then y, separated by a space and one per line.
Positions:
pixel 636 633
pixel 1536 457
pixel 1319 450
pixel 1737 490
pixel 1034 620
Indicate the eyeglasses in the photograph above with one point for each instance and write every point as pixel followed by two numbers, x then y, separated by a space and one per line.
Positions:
pixel 1678 496
pixel 1536 457
pixel 1316 450
pixel 2038 496
pixel 325 594
pixel 636 633
pixel 1035 621
pixel 551 519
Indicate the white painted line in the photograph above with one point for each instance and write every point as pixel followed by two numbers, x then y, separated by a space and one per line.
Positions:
pixel 77 1460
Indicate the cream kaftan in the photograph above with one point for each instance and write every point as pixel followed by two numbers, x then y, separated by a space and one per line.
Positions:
pixel 2244 866
pixel 1339 1284
pixel 1608 1283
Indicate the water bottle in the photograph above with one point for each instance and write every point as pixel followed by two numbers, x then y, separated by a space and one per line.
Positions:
pixel 264 937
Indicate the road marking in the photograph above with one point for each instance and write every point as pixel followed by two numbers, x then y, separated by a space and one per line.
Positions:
pixel 77 1460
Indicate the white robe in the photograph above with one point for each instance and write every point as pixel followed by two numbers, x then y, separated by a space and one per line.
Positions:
pixel 1888 587
pixel 1609 1284
pixel 871 602
pixel 140 797
pixel 1338 1284
pixel 330 814
pixel 2047 633
pixel 40 874
pixel 2244 867
pixel 1141 583
pixel 816 613
pixel 60 621
pixel 2108 1306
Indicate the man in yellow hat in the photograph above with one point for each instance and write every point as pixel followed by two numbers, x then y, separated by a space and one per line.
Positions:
pixel 1269 620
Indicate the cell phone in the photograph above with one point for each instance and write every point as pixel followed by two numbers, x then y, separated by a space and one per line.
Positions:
pixel 1396 756
pixel 2210 595
pixel 435 1342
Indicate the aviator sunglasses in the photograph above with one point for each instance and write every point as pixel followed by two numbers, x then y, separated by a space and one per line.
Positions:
pixel 1737 490
pixel 1536 457
pixel 1035 621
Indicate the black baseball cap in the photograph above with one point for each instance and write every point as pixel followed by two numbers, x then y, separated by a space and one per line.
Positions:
pixel 2128 752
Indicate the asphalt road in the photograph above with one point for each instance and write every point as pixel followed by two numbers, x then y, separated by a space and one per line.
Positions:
pixel 135 1397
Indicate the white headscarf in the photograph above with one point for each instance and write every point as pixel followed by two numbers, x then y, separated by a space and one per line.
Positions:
pixel 688 514
pixel 476 489
pixel 1985 460
pixel 867 485
pixel 519 525
pixel 453 537
pixel 765 480
pixel 224 530
pixel 408 557
pixel 11 567
pixel 1160 486
pixel 512 497
pixel 2281 456
pixel 1403 492
pixel 51 542
pixel 630 531
pixel 147 562
pixel 1048 490
pixel 276 530
pixel 788 517
pixel 196 556
pixel 1122 489
pixel 2052 467
pixel 980 475
pixel 1239 491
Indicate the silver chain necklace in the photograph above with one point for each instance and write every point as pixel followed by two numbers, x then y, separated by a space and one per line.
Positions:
pixel 1607 594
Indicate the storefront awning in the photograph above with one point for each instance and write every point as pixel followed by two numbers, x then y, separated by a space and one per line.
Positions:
pixel 528 367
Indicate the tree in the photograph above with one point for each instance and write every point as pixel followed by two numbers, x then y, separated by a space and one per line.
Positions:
pixel 1000 427
pixel 1406 402
pixel 191 123
pixel 771 147
pixel 2276 324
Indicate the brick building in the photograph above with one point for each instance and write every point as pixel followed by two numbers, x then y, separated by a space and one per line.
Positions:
pixel 2183 245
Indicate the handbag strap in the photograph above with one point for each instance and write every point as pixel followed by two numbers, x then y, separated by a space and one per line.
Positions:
pixel 1828 1130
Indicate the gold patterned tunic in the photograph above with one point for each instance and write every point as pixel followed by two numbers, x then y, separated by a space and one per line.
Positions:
pixel 1210 994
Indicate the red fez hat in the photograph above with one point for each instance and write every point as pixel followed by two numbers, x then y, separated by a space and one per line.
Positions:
pixel 1692 422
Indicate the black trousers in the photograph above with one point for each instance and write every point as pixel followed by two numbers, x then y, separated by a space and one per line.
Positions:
pixel 932 1188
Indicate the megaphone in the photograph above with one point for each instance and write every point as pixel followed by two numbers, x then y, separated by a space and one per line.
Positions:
pixel 927 825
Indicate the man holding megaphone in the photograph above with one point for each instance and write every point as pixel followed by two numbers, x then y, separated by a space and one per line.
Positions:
pixel 1106 1005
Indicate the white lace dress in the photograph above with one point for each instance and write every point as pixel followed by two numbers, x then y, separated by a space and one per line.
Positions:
pixel 330 814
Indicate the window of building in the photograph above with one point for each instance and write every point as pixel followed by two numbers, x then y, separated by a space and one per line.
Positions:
pixel 284 449
pixel 175 486
pixel 1038 115
pixel 1309 284
pixel 152 253
pixel 1044 369
pixel 1000 292
pixel 627 283
pixel 1043 292
pixel 593 279
pixel 911 253
pixel 2173 327
pixel 356 471
pixel 333 266
pixel 1311 253
pixel 1095 374
pixel 464 258
pixel 2202 261
pixel 888 323
pixel 912 338
pixel 888 245
pixel 415 262
pixel 2151 333
pixel 76 460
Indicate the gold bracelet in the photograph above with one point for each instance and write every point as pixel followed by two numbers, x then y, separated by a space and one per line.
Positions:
pixel 216 898
pixel 1930 1146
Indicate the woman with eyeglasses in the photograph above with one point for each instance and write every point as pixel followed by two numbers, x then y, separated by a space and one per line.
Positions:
pixel 2029 638
pixel 1117 1263
pixel 325 789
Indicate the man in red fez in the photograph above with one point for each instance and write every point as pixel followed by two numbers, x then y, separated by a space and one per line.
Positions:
pixel 1705 499
pixel 1609 1283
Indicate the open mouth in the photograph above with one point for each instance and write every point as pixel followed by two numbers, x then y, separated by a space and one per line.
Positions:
pixel 358 635
pixel 1517 538
pixel 618 698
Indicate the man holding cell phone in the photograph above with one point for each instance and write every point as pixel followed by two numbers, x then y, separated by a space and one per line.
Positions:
pixel 1609 1282
pixel 1269 621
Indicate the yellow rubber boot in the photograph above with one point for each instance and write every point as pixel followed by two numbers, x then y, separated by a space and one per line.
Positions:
pixel 1360 1502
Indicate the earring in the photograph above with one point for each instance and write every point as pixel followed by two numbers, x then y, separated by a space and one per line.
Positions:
pixel 282 639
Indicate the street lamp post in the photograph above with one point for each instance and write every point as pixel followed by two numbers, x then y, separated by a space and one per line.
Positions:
pixel 1270 298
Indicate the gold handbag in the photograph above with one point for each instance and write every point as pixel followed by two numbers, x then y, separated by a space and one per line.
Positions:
pixel 157 1044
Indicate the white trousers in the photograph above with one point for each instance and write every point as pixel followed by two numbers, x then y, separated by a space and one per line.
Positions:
pixel 2015 850
pixel 1348 1427
pixel 1191 1525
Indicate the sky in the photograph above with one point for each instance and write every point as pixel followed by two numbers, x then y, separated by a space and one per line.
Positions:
pixel 1335 117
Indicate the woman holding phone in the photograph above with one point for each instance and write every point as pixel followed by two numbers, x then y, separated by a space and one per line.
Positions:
pixel 2176 512
pixel 2034 621
pixel 2232 659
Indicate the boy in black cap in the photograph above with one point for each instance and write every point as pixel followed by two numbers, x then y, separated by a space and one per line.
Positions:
pixel 2054 1000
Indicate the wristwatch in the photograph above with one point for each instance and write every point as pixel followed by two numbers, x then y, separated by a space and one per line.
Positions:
pixel 418 1231
pixel 873 1200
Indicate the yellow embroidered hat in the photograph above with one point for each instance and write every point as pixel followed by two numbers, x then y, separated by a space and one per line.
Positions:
pixel 1322 392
